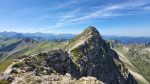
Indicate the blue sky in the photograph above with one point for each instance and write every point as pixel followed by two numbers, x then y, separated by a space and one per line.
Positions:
pixel 110 17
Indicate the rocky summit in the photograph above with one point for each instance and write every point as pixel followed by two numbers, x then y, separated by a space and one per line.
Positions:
pixel 87 55
pixel 94 57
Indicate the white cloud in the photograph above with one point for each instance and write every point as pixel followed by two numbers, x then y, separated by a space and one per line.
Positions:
pixel 61 5
pixel 147 8
pixel 105 12
pixel 111 10
pixel 65 18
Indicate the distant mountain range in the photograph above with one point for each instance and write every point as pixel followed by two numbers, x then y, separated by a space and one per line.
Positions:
pixel 37 36
pixel 64 37
pixel 128 39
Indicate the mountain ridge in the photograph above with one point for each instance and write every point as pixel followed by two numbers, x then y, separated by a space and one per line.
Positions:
pixel 95 55
pixel 88 55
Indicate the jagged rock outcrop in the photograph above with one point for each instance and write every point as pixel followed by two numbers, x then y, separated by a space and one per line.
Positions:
pixel 94 58
pixel 86 55
pixel 56 61
pixel 62 63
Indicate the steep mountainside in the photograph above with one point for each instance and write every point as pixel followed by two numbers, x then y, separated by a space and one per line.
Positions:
pixel 95 58
pixel 136 58
pixel 86 55
pixel 10 46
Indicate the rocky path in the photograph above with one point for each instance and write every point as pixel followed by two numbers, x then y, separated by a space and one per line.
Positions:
pixel 9 68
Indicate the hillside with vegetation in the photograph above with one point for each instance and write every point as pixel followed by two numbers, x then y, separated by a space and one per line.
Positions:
pixel 136 57
pixel 16 48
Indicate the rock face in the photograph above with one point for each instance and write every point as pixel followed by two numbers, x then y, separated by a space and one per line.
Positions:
pixel 86 55
pixel 94 58
pixel 62 63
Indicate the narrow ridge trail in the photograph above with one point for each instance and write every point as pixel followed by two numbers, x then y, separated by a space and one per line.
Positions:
pixel 9 68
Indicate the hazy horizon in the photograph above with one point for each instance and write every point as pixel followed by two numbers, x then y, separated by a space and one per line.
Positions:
pixel 70 34
pixel 110 17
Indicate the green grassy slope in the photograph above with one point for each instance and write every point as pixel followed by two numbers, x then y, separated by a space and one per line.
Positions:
pixel 139 56
pixel 24 48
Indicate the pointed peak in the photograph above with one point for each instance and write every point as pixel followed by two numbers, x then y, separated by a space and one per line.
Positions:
pixel 91 30
pixel 90 33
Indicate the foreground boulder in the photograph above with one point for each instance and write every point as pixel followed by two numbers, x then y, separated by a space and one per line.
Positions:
pixel 6 77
